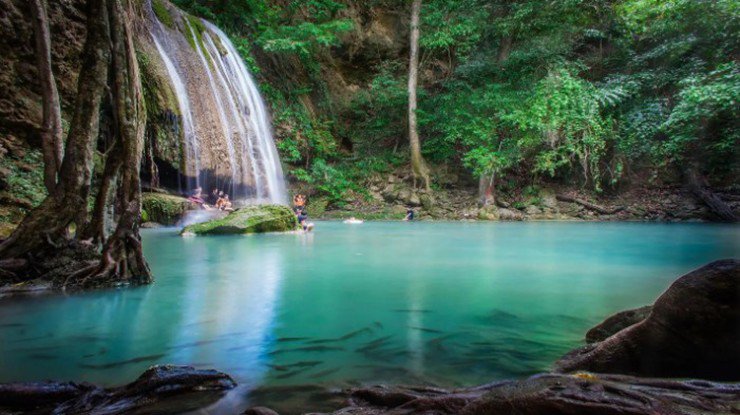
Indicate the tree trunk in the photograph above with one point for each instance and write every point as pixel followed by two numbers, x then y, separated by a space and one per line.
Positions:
pixel 486 190
pixel 50 220
pixel 51 125
pixel 96 228
pixel 698 186
pixel 418 165
pixel 109 58
pixel 122 255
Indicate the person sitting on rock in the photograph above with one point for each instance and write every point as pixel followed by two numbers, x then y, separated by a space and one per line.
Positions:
pixel 213 197
pixel 299 203
pixel 227 206
pixel 196 198
pixel 409 215
pixel 220 201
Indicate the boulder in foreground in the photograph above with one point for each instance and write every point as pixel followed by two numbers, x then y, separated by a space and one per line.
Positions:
pixel 552 394
pixel 160 389
pixel 248 219
pixel 616 323
pixel 692 331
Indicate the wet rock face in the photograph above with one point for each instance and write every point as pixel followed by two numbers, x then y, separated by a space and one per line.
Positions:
pixel 692 331
pixel 249 219
pixel 154 389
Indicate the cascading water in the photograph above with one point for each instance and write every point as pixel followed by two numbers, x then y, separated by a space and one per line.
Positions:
pixel 192 148
pixel 226 131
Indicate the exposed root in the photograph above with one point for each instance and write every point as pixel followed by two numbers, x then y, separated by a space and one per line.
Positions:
pixel 591 206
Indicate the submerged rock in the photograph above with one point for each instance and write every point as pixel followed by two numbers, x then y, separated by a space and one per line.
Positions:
pixel 163 208
pixel 154 389
pixel 692 331
pixel 249 219
pixel 259 410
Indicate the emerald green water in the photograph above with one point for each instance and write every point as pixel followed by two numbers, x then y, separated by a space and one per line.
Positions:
pixel 443 303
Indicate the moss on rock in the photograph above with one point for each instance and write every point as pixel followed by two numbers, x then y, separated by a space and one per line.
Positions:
pixel 249 219
pixel 163 14
pixel 163 208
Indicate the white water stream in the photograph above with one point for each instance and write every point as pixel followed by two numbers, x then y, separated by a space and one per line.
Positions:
pixel 225 127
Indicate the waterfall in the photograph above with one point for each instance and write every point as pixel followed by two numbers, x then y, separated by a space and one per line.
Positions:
pixel 226 132
pixel 192 148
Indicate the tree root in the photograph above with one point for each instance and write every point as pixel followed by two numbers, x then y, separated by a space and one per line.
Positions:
pixel 591 206
pixel 185 387
pixel 554 394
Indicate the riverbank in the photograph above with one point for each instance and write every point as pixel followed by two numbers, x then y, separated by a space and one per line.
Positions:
pixel 388 198
pixel 656 204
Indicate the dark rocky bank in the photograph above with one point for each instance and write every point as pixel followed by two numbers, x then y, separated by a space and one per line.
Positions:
pixel 160 389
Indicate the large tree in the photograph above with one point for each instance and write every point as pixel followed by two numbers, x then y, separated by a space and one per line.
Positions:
pixel 418 165
pixel 51 126
pixel 61 240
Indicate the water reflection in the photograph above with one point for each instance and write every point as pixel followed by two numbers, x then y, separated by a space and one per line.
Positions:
pixel 210 310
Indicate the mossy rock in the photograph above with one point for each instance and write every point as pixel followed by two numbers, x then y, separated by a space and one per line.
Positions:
pixel 249 219
pixel 163 208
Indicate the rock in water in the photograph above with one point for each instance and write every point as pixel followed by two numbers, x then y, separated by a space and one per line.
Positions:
pixel 692 331
pixel 617 322
pixel 249 219
pixel 259 410
pixel 160 389
pixel 552 394
pixel 163 208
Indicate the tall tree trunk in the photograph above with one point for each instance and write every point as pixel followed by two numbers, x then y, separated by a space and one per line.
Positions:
pixel 486 189
pixel 68 202
pixel 418 165
pixel 122 258
pixel 51 125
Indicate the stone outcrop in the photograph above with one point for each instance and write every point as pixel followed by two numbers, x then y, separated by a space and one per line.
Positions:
pixel 552 394
pixel 163 208
pixel 617 322
pixel 180 388
pixel 692 331
pixel 249 219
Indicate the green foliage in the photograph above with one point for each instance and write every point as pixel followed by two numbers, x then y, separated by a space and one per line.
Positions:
pixel 247 220
pixel 317 206
pixel 163 14
pixel 564 119
pixel 379 113
pixel 303 39
pixel 578 90
pixel 163 208
pixel 25 180
pixel 707 105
